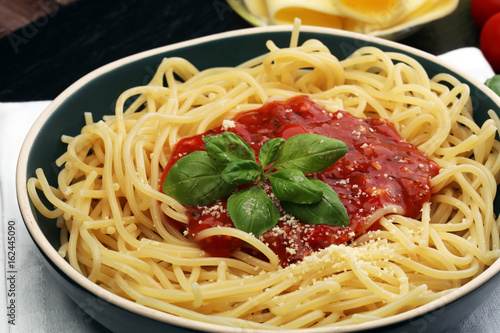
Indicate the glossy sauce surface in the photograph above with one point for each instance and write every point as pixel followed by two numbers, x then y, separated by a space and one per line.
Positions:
pixel 380 174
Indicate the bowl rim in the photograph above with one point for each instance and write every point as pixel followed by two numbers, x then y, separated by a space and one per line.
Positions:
pixel 51 253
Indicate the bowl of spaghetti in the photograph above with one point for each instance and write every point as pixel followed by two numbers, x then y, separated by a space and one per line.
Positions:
pixel 269 179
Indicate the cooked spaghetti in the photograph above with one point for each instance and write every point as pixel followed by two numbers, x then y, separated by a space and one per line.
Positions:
pixel 114 220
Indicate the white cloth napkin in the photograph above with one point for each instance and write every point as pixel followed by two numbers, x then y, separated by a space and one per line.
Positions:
pixel 469 60
pixel 41 306
pixel 30 301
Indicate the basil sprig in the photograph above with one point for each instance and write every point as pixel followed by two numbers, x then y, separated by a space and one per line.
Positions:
pixel 203 177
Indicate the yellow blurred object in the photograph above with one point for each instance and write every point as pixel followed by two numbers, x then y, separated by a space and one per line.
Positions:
pixel 428 11
pixel 372 17
pixel 321 13
pixel 381 12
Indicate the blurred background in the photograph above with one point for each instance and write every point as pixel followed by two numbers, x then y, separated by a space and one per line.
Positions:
pixel 46 45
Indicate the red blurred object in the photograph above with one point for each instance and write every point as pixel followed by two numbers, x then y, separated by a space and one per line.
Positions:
pixel 489 41
pixel 482 10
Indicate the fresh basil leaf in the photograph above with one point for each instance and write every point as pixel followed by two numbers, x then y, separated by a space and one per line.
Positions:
pixel 270 151
pixel 310 153
pixel 194 180
pixel 291 185
pixel 241 172
pixel 252 211
pixel 329 210
pixel 227 147
pixel 494 83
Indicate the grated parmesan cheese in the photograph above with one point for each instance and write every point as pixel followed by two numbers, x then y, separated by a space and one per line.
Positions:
pixel 227 124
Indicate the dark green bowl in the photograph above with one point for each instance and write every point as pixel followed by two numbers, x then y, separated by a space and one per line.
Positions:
pixel 98 92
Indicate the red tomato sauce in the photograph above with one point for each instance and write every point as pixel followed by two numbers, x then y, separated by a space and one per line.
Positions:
pixel 380 171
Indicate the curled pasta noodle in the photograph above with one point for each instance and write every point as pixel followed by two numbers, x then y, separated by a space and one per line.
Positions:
pixel 114 220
